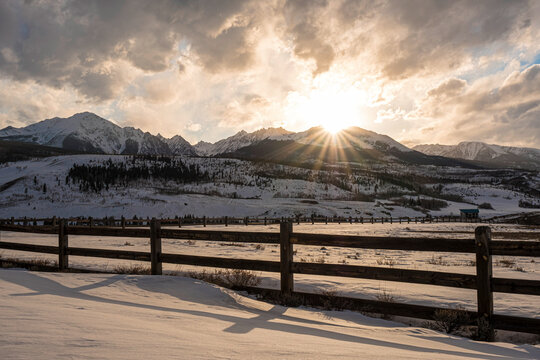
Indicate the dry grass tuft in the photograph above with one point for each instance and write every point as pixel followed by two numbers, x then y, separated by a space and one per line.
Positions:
pixel 134 269
pixel 229 278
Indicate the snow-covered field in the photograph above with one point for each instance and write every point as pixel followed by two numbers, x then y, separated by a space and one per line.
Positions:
pixel 91 316
pixel 38 188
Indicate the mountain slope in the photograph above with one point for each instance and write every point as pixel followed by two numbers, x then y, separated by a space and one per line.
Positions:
pixel 239 140
pixel 353 137
pixel 494 155
pixel 87 132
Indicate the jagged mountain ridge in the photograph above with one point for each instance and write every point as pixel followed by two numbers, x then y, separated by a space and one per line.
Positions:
pixel 494 155
pixel 240 140
pixel 87 132
pixel 353 137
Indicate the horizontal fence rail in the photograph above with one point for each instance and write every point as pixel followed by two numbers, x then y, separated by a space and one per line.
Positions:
pixel 482 245
pixel 226 220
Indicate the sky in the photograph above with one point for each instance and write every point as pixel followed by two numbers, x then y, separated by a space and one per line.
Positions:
pixel 427 71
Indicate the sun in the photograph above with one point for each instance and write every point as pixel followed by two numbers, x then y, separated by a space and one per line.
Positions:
pixel 332 109
pixel 334 127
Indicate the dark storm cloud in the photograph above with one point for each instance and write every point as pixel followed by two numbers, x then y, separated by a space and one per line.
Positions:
pixel 435 36
pixel 78 42
pixel 305 23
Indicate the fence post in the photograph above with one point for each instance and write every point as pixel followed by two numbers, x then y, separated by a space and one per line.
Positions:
pixel 204 221
pixel 155 247
pixel 484 270
pixel 123 222
pixel 63 259
pixel 286 257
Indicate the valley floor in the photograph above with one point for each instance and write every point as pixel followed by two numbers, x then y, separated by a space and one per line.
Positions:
pixel 97 316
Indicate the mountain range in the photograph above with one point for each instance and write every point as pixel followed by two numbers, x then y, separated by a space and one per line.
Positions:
pixel 489 154
pixel 87 132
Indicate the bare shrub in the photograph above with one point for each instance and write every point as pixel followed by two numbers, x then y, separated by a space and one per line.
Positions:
pixel 134 269
pixel 451 321
pixel 385 296
pixel 386 261
pixel 190 242
pixel 485 205
pixel 36 264
pixel 229 278
pixel 232 244
pixel 438 261
pixel 332 301
pixel 320 260
pixel 127 243
pixel 259 247
pixel 506 263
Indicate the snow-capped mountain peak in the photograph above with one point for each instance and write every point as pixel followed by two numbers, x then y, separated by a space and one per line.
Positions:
pixel 239 140
pixel 89 132
pixel 489 153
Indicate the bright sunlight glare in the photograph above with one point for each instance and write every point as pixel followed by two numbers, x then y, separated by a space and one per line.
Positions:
pixel 333 109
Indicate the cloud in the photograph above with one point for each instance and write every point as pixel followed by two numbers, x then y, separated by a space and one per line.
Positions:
pixel 165 65
pixel 506 114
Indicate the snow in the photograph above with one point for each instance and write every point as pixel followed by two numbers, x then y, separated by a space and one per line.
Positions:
pixel 238 188
pixel 239 140
pixel 90 316
pixel 102 134
pixel 508 304
pixel 351 137
pixel 474 150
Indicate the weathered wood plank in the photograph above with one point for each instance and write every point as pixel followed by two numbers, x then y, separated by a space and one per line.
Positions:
pixel 484 276
pixel 109 231
pixel 286 257
pixel 39 229
pixel 243 264
pixel 515 323
pixel 515 248
pixel 109 254
pixel 225 236
pixel 388 274
pixel 63 257
pixel 46 249
pixel 387 243
pixel 155 247
pixel 516 286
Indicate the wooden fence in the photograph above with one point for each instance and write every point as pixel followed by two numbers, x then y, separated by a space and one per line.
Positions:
pixel 483 282
pixel 247 220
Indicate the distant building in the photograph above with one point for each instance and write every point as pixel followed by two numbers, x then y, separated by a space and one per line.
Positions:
pixel 468 214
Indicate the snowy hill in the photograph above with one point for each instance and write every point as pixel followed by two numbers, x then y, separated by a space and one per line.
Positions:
pixel 495 155
pixel 87 132
pixel 105 316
